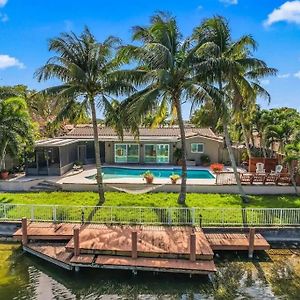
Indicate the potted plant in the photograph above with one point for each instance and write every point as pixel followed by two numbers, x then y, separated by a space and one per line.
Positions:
pixel 148 176
pixel 178 156
pixel 205 160
pixel 174 177
pixel 4 174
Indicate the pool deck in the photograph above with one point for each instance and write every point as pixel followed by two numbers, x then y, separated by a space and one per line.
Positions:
pixel 90 170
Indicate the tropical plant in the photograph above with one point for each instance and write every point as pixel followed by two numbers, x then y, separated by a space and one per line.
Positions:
pixel 85 67
pixel 230 68
pixel 16 131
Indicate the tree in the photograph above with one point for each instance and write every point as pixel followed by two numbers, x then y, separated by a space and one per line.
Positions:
pixel 85 67
pixel 16 130
pixel 164 74
pixel 231 68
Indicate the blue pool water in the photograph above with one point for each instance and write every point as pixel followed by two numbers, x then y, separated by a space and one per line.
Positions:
pixel 115 172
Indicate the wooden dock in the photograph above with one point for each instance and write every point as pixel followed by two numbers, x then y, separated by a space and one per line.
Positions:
pixel 149 248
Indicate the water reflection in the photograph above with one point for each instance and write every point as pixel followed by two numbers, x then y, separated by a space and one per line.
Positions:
pixel 271 276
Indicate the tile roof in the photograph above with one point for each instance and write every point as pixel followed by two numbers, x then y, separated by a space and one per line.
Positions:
pixel 86 131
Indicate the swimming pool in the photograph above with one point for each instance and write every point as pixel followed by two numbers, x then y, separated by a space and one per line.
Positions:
pixel 123 172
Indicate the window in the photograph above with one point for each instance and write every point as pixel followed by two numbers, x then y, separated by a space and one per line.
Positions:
pixel 126 153
pixel 157 153
pixel 197 148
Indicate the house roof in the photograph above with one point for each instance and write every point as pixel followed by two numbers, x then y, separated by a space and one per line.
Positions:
pixel 145 134
pixel 55 142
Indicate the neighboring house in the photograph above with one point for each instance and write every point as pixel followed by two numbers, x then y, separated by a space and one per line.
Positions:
pixel 154 146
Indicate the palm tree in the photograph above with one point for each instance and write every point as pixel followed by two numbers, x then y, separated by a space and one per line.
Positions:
pixel 164 74
pixel 15 128
pixel 85 67
pixel 231 68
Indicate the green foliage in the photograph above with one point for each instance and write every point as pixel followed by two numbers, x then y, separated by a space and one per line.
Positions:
pixel 205 159
pixel 16 130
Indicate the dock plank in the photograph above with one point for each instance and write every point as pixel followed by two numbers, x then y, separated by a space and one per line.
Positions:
pixel 172 265
pixel 235 241
pixel 47 231
pixel 162 241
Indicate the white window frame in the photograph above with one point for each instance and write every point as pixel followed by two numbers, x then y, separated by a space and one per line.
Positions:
pixel 156 156
pixel 197 148
pixel 126 144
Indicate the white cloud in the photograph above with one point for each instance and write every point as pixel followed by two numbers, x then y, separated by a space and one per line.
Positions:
pixel 3 2
pixel 199 7
pixel 229 2
pixel 3 17
pixel 265 81
pixel 287 12
pixel 7 61
pixel 297 75
pixel 287 75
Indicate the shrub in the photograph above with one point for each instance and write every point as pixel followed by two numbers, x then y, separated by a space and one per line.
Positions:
pixel 205 159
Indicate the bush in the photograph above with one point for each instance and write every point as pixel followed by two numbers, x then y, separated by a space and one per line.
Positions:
pixel 205 159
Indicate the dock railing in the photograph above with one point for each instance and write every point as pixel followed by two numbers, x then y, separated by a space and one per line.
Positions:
pixel 152 215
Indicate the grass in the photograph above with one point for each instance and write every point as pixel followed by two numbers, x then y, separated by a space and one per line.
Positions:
pixel 155 200
pixel 150 200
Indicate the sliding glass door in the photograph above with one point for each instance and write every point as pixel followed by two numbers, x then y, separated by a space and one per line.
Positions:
pixel 126 153
pixel 157 153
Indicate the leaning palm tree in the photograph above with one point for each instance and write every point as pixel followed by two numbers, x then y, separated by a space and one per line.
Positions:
pixel 164 75
pixel 85 68
pixel 231 68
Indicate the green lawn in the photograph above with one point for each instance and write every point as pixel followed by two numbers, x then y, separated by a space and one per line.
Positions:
pixel 156 200
pixel 153 200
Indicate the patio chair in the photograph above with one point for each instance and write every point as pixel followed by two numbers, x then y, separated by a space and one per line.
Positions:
pixel 284 179
pixel 259 178
pixel 272 178
pixel 246 178
pixel 278 169
pixel 260 168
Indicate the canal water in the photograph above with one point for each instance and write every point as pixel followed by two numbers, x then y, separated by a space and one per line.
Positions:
pixel 271 275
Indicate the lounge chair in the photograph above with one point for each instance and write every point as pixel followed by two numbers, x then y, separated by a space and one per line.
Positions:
pixel 272 178
pixel 284 179
pixel 259 178
pixel 246 178
pixel 260 168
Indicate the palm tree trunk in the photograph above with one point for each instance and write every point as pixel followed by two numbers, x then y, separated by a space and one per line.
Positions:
pixel 182 195
pixel 263 145
pixel 2 157
pixel 246 139
pixel 233 162
pixel 97 152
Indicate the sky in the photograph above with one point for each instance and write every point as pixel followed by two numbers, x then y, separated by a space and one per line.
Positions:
pixel 27 26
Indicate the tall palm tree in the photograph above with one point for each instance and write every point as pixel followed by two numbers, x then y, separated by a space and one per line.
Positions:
pixel 231 68
pixel 164 74
pixel 15 128
pixel 85 68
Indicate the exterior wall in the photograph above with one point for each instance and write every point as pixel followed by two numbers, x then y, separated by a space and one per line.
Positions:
pixel 211 148
pixel 110 151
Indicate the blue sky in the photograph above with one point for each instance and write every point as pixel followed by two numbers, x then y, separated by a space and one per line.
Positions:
pixel 26 26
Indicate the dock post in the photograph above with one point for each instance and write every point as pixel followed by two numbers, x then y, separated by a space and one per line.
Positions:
pixel 134 244
pixel 193 247
pixel 76 241
pixel 251 242
pixel 24 232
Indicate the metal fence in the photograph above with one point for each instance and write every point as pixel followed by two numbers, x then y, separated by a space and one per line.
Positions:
pixel 152 215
